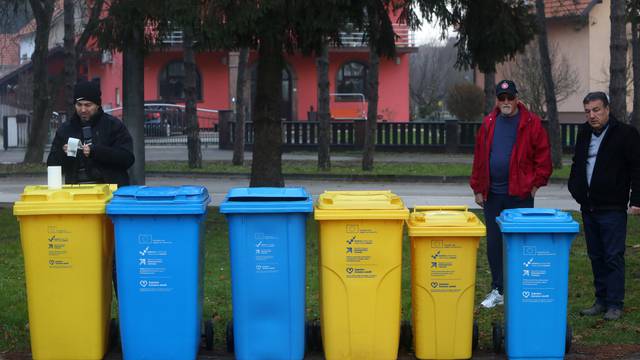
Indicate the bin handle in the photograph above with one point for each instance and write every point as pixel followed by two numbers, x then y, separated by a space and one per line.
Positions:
pixel 441 207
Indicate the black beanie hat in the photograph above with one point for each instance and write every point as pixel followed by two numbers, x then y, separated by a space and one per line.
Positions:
pixel 88 91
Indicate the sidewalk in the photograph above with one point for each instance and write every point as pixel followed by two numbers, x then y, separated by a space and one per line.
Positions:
pixel 179 153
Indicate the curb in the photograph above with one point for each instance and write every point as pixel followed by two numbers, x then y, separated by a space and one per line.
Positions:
pixel 341 177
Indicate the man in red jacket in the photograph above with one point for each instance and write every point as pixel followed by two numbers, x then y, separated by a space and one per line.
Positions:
pixel 511 162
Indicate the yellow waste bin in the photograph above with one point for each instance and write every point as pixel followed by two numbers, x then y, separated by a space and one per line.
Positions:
pixel 360 272
pixel 67 242
pixel 444 244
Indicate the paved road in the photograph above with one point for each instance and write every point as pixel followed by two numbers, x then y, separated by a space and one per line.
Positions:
pixel 413 193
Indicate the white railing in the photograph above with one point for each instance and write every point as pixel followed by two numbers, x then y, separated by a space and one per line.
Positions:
pixel 405 37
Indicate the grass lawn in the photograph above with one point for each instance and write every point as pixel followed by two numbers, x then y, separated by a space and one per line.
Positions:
pixel 217 287
pixel 307 167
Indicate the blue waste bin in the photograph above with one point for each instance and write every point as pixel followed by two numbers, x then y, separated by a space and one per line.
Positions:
pixel 267 230
pixel 159 260
pixel 536 245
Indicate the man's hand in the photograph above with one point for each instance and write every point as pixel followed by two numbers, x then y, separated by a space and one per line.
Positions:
pixel 634 210
pixel 86 150
pixel 65 147
pixel 479 199
pixel 534 190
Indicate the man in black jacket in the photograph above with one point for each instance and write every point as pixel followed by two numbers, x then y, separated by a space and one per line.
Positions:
pixel 605 181
pixel 106 148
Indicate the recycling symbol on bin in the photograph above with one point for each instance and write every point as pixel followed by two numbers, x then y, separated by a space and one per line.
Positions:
pixel 50 262
pixel 434 284
pixel 349 270
pixel 525 294
pixel 143 283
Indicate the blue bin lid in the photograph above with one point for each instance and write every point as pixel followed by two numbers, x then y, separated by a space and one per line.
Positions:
pixel 163 200
pixel 536 220
pixel 266 200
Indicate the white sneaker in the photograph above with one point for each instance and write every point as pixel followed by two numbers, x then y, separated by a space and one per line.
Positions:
pixel 493 298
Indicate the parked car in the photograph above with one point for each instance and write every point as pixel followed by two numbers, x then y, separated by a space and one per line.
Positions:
pixel 162 118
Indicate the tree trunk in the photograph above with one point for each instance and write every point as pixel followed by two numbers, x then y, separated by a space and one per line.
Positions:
pixel 549 88
pixel 42 102
pixel 489 92
pixel 194 148
pixel 372 110
pixel 635 48
pixel 324 117
pixel 70 59
pixel 618 63
pixel 241 107
pixel 266 167
pixel 133 101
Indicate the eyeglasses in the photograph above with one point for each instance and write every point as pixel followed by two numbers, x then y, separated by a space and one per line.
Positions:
pixel 504 97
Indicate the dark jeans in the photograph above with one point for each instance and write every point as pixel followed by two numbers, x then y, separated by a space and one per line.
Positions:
pixel 605 232
pixel 492 208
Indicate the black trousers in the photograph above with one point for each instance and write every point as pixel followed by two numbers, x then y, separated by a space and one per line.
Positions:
pixel 492 208
pixel 605 232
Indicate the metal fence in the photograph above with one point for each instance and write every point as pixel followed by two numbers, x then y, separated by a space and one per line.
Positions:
pixel 449 136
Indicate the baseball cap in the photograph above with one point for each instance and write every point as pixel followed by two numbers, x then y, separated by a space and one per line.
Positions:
pixel 506 87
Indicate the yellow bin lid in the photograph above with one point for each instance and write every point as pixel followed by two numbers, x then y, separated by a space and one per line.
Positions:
pixel 70 199
pixel 350 205
pixel 447 221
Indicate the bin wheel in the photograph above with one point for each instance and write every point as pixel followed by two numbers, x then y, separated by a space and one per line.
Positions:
pixel 474 336
pixel 568 339
pixel 316 335
pixel 406 336
pixel 114 334
pixel 497 337
pixel 230 336
pixel 208 335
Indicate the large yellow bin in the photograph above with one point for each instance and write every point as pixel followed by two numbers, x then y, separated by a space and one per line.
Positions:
pixel 360 271
pixel 444 244
pixel 67 242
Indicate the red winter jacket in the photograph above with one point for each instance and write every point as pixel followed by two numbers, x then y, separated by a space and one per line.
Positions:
pixel 530 163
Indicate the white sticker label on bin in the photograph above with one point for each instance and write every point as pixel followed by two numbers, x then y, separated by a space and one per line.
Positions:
pixel 443 267
pixel 58 248
pixel 358 253
pixel 536 274
pixel 150 257
pixel 265 253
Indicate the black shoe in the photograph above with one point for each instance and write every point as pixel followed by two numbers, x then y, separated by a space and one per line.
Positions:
pixel 612 314
pixel 596 309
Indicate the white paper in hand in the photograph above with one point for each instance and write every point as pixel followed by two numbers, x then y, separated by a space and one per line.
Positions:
pixel 72 146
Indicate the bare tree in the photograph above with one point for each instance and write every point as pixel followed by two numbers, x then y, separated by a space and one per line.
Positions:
pixel 75 50
pixel 194 147
pixel 432 73
pixel 241 107
pixel 549 88
pixel 489 91
pixel 372 110
pixel 526 71
pixel 324 128
pixel 618 62
pixel 634 15
pixel 43 12
pixel 70 64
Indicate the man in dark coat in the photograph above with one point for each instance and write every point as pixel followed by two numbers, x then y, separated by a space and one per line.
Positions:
pixel 605 181
pixel 106 148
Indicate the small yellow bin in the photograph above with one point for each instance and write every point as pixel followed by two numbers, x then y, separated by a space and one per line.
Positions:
pixel 444 244
pixel 360 272
pixel 67 242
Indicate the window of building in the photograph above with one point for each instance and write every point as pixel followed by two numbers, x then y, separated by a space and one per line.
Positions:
pixel 352 79
pixel 172 82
